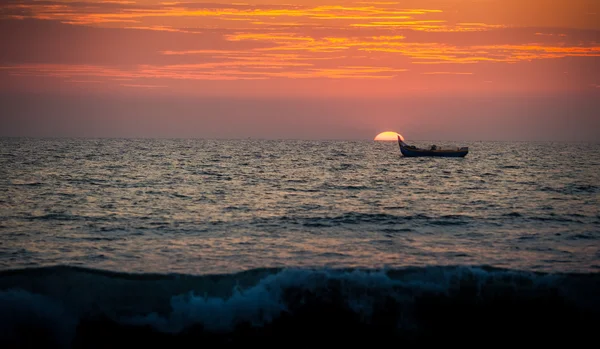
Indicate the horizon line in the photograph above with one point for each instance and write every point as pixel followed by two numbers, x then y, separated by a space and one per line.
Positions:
pixel 291 139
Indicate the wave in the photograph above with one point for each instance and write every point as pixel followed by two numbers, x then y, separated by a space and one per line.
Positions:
pixel 358 218
pixel 71 307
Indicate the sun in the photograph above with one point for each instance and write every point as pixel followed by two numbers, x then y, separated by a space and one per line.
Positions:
pixel 388 136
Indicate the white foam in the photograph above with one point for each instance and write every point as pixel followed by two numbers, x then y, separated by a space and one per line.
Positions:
pixel 264 302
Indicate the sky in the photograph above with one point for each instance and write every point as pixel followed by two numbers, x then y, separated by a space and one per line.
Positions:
pixel 303 69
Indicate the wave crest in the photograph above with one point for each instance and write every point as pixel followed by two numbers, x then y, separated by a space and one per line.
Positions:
pixel 90 306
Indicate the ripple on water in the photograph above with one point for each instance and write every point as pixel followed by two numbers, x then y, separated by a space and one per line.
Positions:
pixel 360 199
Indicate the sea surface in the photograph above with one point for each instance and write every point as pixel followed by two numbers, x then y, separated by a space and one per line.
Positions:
pixel 180 241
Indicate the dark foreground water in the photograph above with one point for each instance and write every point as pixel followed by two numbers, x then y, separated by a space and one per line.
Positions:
pixel 307 243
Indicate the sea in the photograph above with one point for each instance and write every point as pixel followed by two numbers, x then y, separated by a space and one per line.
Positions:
pixel 230 243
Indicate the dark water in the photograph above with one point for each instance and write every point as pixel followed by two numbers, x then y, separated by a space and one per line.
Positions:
pixel 206 241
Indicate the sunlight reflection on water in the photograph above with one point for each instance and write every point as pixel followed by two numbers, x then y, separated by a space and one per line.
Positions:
pixel 221 206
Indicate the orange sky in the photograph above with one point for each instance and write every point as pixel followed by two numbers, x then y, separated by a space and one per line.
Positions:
pixel 309 48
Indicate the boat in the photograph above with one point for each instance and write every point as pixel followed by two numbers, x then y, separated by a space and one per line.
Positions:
pixel 412 151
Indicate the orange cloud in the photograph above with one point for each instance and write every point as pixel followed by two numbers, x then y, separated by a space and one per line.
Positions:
pixel 234 70
pixel 143 86
pixel 421 53
pixel 89 13
pixel 306 40
pixel 446 73
pixel 163 28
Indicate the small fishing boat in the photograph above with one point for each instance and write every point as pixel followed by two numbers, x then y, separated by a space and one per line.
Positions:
pixel 412 151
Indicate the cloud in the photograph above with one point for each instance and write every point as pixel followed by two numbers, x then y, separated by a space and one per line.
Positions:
pixel 446 73
pixel 230 70
pixel 107 13
pixel 144 86
pixel 164 43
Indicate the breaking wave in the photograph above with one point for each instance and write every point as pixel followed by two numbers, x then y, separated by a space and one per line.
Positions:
pixel 71 307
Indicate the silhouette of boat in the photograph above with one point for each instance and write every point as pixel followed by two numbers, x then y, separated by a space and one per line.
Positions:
pixel 412 151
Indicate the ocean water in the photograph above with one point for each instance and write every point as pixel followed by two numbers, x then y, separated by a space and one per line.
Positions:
pixel 106 241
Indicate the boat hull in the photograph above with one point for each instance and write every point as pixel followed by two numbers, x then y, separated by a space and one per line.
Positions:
pixel 417 152
pixel 440 153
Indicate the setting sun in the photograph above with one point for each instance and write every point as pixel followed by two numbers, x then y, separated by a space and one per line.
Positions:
pixel 388 136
